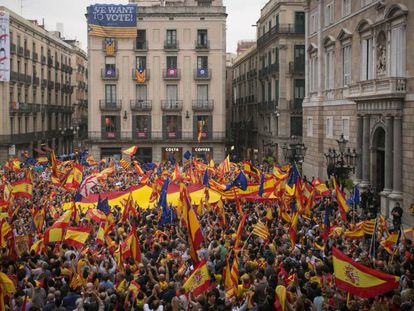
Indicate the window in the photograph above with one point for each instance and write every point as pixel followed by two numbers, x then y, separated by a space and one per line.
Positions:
pixel 398 51
pixel 172 126
pixel 202 94
pixel 141 125
pixel 277 92
pixel 202 62
pixel 365 2
pixel 313 78
pixel 202 126
pixel 314 24
pixel 346 65
pixel 309 127
pixel 299 22
pixel 329 69
pixel 202 40
pixel 171 62
pixel 172 94
pixel 141 62
pixel 345 127
pixel 110 126
pixel 110 67
pixel 141 39
pixel 329 13
pixel 110 94
pixel 329 127
pixel 296 126
pixel 299 93
pixel 141 92
pixel 346 7
pixel 366 66
pixel 171 37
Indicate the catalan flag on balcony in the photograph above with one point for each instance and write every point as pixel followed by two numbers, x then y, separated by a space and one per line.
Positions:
pixel 200 126
pixel 109 46
pixel 140 75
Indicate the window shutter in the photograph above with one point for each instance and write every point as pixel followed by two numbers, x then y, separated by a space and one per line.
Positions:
pixel 369 57
pixel 364 60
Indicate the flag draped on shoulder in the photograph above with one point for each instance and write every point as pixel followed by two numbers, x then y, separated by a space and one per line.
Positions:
pixel 199 280
pixel 360 280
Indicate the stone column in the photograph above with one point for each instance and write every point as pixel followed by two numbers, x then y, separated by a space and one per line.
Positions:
pixel 360 131
pixel 366 152
pixel 397 163
pixel 388 154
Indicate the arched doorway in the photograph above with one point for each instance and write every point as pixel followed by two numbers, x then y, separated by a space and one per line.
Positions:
pixel 378 159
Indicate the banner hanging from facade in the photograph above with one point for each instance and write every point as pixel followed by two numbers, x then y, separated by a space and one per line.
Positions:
pixel 110 20
pixel 4 47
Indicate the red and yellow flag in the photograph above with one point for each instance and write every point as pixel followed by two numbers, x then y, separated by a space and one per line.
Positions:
pixel 340 198
pixel 292 230
pixel 240 231
pixel 199 280
pixel 7 287
pixel 76 236
pixel 130 247
pixel 261 230
pixel 360 280
pixel 23 188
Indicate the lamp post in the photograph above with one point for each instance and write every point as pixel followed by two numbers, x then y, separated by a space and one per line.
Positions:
pixel 341 164
pixel 295 151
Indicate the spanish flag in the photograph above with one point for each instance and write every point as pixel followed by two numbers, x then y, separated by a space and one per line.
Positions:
pixel 195 235
pixel 340 198
pixel 55 233
pixel 39 217
pixel 138 169
pixel 220 211
pixel 199 280
pixel 77 236
pixel 280 298
pixel 390 243
pixel 5 232
pixel 75 177
pixel 292 230
pixel 100 236
pixel 7 287
pixel 130 151
pixel 23 188
pixel 130 247
pixel 359 280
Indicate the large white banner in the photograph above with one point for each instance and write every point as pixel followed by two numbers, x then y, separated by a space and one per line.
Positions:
pixel 4 47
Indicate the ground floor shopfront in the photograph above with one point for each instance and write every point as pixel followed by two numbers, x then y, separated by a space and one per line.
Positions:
pixel 162 152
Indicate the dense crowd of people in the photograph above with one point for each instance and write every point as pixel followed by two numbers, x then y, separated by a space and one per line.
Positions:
pixel 61 277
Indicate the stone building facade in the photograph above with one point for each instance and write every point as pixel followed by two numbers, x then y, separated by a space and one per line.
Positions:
pixel 180 52
pixel 360 84
pixel 269 80
pixel 37 103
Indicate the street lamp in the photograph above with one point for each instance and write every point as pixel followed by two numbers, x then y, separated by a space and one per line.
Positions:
pixel 295 151
pixel 340 164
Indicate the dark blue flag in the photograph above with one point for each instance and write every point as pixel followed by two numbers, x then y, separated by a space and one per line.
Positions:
pixel 163 196
pixel 30 161
pixel 240 181
pixel 171 158
pixel 187 155
pixel 78 196
pixel 206 179
pixel 167 216
pixel 294 175
pixel 261 185
pixel 149 166
pixel 103 205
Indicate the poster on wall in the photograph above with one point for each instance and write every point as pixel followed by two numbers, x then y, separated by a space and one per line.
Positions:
pixel 110 20
pixel 4 47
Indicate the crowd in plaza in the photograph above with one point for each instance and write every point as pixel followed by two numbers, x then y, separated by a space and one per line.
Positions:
pixel 262 252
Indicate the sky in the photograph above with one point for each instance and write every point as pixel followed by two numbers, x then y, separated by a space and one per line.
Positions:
pixel 242 14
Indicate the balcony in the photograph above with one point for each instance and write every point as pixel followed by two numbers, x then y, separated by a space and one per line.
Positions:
pixel 21 77
pixel 50 85
pixel 50 61
pixel 140 46
pixel 263 72
pixel 203 105
pixel 106 105
pixel 43 84
pixel 36 81
pixel 14 76
pixel 297 67
pixel 16 107
pixel 20 51
pixel 57 86
pixel 171 45
pixel 171 74
pixel 202 74
pixel 252 74
pixel 273 68
pixel 202 45
pixel 279 29
pixel 27 54
pixel 109 74
pixel 267 106
pixel 171 105
pixel 182 136
pixel 35 56
pixel 141 105
pixel 295 104
pixel 140 76
pixel 28 79
pixel 43 60
pixel 108 49
pixel 57 65
pixel 378 89
pixel 12 48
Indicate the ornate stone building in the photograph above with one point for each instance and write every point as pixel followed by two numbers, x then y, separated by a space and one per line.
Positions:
pixel 360 84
